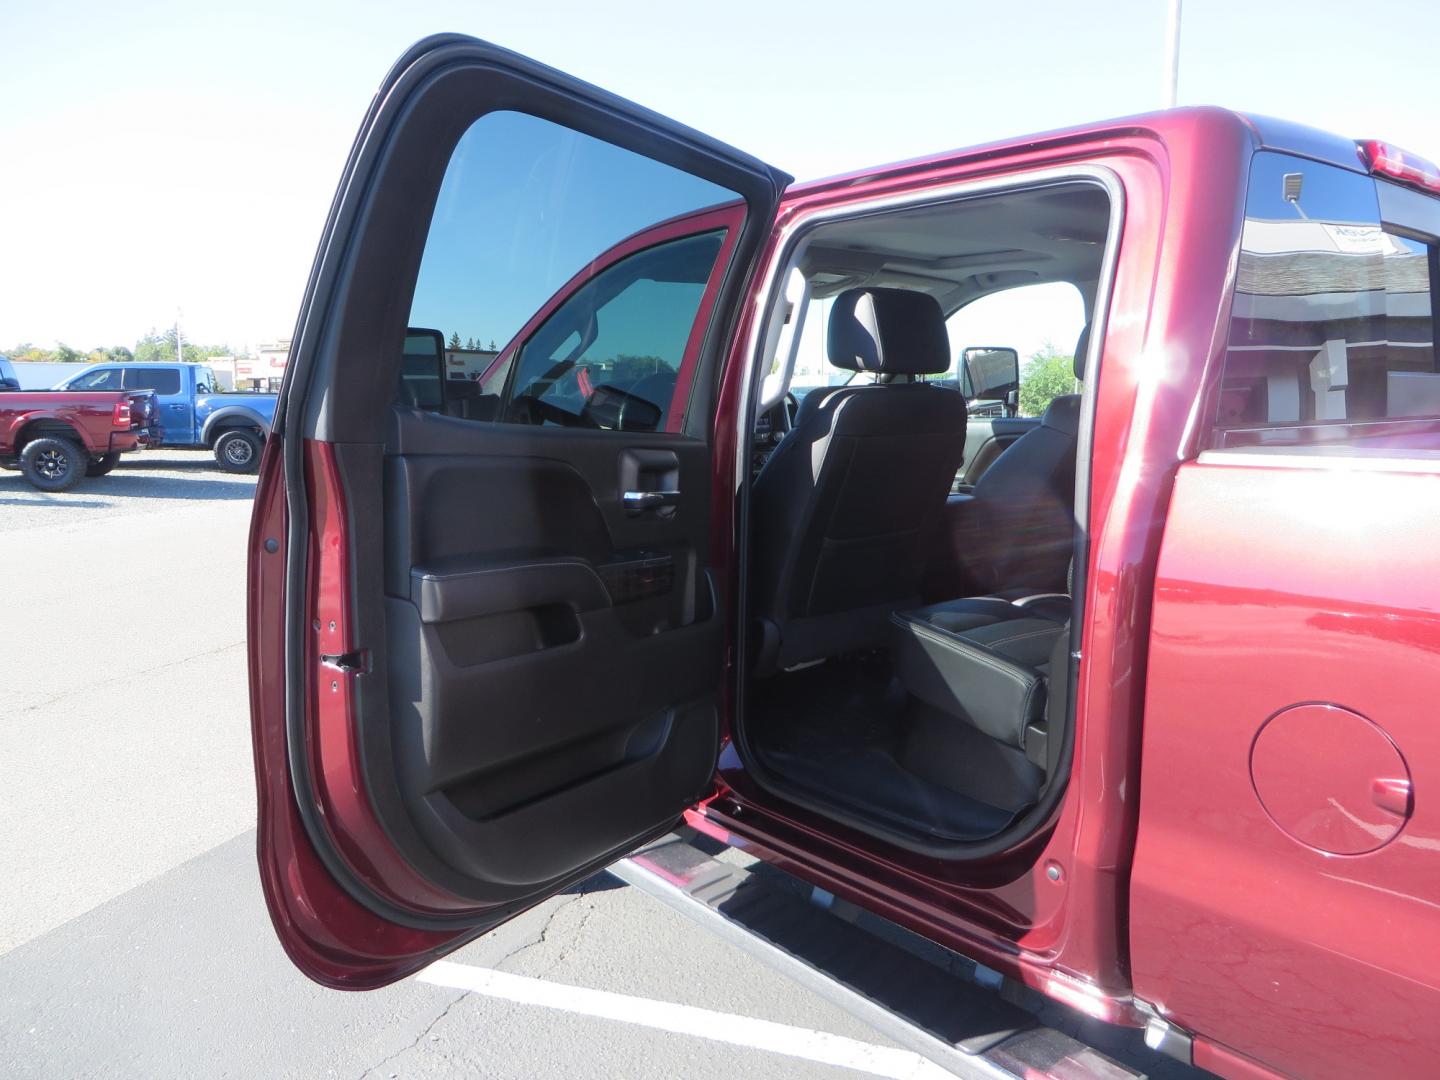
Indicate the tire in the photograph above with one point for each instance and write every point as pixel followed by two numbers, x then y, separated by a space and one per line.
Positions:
pixel 51 463
pixel 103 464
pixel 238 450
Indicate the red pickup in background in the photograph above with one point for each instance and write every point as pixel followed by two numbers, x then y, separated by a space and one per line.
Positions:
pixel 58 436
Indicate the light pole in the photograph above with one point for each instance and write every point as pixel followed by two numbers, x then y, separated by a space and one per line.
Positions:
pixel 1171 75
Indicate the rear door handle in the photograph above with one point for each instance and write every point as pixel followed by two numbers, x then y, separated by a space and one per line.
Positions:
pixel 637 502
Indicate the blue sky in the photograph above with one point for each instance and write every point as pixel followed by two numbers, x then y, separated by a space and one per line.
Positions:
pixel 161 155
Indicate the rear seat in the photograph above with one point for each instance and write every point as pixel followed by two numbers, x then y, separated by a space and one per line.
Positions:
pixel 986 661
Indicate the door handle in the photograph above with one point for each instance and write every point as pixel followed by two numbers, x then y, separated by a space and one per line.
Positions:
pixel 637 502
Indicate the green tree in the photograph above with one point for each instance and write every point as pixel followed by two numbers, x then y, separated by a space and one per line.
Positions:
pixel 492 345
pixel 158 346
pixel 1046 375
pixel 119 354
pixel 30 354
pixel 470 343
pixel 454 339
pixel 64 354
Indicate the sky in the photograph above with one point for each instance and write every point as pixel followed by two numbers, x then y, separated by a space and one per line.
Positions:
pixel 157 156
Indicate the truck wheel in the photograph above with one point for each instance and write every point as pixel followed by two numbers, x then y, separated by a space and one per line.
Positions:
pixel 51 463
pixel 238 450
pixel 103 464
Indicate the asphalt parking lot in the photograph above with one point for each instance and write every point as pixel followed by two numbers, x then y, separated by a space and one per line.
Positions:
pixel 133 938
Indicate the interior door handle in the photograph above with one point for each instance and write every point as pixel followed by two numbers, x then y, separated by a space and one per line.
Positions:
pixel 637 502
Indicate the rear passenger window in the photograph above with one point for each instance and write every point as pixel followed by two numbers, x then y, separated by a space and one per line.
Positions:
pixel 161 380
pixel 1332 330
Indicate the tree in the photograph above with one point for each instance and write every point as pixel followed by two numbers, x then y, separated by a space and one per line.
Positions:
pixel 158 346
pixel 119 354
pixel 454 339
pixel 64 354
pixel 1047 375
pixel 492 345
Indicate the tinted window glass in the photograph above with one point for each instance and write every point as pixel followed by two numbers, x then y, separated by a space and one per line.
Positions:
pixel 522 252
pixel 1331 329
pixel 161 380
pixel 611 353
pixel 107 379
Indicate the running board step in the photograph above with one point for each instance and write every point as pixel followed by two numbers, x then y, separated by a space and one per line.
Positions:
pixel 961 1026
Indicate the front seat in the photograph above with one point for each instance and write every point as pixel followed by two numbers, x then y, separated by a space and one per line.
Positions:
pixel 840 509
pixel 1024 504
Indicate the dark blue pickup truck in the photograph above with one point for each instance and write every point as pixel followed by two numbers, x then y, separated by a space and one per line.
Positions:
pixel 194 413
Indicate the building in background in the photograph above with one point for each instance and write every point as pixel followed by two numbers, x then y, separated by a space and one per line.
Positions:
pixel 468 363
pixel 263 371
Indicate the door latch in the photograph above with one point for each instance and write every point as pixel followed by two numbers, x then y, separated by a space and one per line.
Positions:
pixel 355 662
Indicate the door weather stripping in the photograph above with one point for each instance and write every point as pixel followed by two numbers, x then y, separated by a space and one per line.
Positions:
pixel 894 982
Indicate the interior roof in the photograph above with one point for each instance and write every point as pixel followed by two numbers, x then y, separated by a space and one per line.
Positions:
pixel 961 250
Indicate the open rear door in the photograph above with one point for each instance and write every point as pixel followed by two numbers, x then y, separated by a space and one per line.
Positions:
pixel 485 648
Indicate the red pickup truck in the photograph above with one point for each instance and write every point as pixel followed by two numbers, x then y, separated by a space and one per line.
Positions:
pixel 1140 720
pixel 58 436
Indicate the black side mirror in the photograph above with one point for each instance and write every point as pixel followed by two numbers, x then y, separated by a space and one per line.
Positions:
pixel 422 375
pixel 9 384
pixel 991 373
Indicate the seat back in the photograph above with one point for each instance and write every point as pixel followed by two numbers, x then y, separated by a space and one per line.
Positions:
pixel 840 509
pixel 1024 504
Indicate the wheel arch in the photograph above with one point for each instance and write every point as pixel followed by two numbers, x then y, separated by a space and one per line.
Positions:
pixel 39 426
pixel 229 418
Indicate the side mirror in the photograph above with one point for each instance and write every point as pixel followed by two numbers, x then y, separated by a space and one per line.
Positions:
pixel 991 373
pixel 422 374
pixel 9 384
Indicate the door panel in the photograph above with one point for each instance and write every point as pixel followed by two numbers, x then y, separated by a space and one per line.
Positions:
pixel 1283 897
pixel 500 646
pixel 565 605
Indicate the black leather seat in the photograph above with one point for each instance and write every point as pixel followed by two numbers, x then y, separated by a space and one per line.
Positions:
pixel 987 662
pixel 1024 504
pixel 841 506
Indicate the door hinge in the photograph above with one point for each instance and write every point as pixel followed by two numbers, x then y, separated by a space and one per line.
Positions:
pixel 355 662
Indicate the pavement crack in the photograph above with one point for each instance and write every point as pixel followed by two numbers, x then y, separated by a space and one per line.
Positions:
pixel 378 1066
pixel 542 936
pixel 568 949
pixel 130 676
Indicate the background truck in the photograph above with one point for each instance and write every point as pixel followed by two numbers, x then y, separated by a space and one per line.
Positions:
pixel 194 412
pixel 57 437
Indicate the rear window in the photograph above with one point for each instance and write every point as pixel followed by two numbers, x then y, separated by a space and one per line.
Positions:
pixel 1332 329
pixel 161 380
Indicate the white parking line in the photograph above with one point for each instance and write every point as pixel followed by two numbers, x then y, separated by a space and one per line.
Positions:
pixel 785 1039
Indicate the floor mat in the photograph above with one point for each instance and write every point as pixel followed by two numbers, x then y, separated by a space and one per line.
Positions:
pixel 833 730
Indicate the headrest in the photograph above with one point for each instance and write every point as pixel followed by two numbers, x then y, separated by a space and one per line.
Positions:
pixel 1063 414
pixel 892 331
pixel 1082 347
